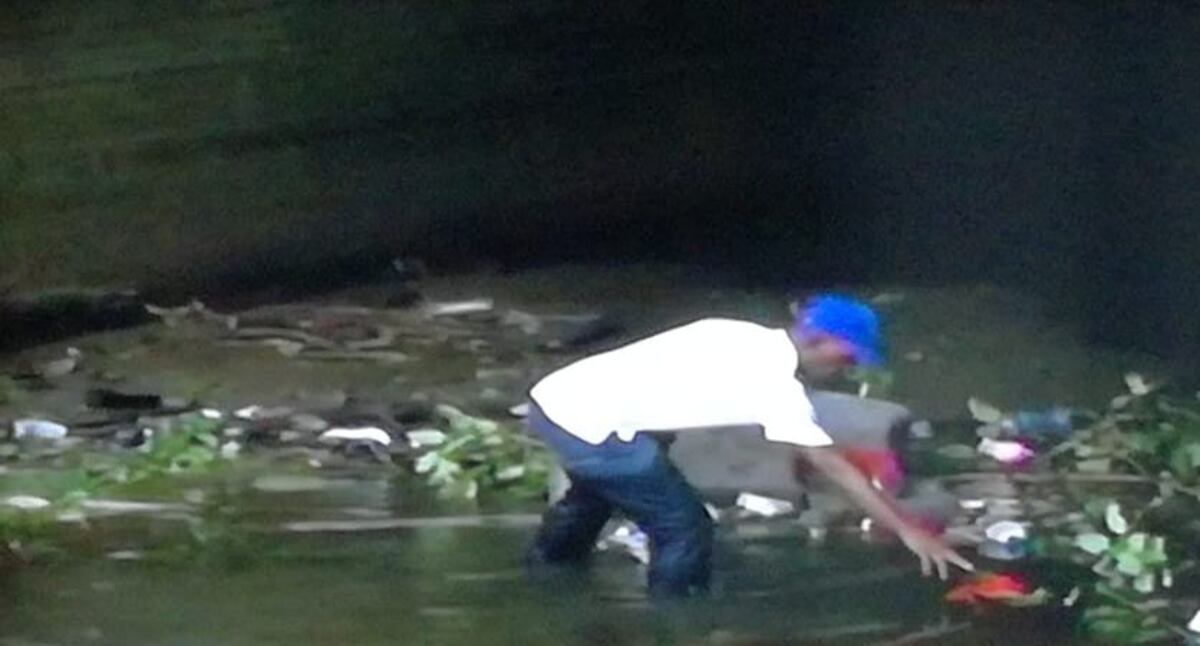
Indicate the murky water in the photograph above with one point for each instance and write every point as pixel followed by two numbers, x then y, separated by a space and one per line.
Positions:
pixel 429 579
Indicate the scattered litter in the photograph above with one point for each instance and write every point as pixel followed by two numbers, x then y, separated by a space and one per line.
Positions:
pixel 1008 452
pixel 520 410
pixel 972 504
pixel 230 450
pixel 764 506
pixel 257 412
pixel 459 308
pixel 1008 589
pixel 1006 530
pixel 866 524
pixel 111 399
pixel 1194 624
pixel 289 483
pixel 38 428
pixel 629 538
pixel 27 502
pixel 362 434
pixel 172 316
pixel 308 423
pixel 211 413
pixel 424 437
pixel 57 368
pixel 713 512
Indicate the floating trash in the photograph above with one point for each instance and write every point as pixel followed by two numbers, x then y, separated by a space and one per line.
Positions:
pixel 460 308
pixel 1194 624
pixel 362 434
pixel 211 413
pixel 1008 452
pixel 27 502
pixel 230 450
pixel 1006 530
pixel 1008 589
pixel 629 538
pixel 38 428
pixel 520 410
pixel 257 412
pixel 764 506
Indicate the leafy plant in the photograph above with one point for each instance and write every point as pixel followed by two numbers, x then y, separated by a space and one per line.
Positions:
pixel 483 454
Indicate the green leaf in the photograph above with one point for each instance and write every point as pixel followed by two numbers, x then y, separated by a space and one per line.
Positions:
pixel 1130 564
pixel 1092 542
pixel 983 411
pixel 1113 519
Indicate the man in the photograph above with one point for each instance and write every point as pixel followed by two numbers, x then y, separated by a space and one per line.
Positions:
pixel 600 415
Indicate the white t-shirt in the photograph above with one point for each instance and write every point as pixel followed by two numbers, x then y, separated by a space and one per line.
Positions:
pixel 709 373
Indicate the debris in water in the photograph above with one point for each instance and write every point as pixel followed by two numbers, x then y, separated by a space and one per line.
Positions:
pixel 520 410
pixel 111 399
pixel 230 450
pixel 460 308
pixel 1006 530
pixel 27 502
pixel 764 506
pixel 57 368
pixel 631 539
pixel 1194 624
pixel 362 434
pixel 991 587
pixel 38 428
pixel 257 412
pixel 211 413
pixel 1008 452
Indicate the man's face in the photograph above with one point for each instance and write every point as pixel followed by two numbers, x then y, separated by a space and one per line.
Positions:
pixel 823 356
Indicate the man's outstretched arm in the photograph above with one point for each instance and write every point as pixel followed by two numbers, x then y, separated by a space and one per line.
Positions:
pixel 929 548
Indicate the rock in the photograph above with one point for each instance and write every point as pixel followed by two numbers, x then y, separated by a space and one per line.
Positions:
pixel 308 423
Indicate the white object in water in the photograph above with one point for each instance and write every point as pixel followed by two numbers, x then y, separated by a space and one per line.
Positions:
pixel 27 502
pixel 764 506
pixel 38 428
pixel 630 538
pixel 1194 624
pixel 1005 531
pixel 1005 451
pixel 230 450
pixel 362 434
pixel 211 413
pixel 520 410
pixel 458 308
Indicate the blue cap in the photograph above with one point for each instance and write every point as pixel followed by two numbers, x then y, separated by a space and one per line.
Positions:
pixel 848 319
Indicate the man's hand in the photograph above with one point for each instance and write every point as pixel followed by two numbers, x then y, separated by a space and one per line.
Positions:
pixel 932 552
pixel 930 549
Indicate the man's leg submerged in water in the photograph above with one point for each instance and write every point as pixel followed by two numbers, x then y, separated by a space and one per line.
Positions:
pixel 570 527
pixel 663 505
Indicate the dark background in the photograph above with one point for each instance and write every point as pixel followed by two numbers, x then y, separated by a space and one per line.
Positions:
pixel 216 146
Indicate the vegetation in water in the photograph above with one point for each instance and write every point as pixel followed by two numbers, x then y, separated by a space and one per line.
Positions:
pixel 475 454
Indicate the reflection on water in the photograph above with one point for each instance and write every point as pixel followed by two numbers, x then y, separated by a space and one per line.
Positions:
pixel 465 585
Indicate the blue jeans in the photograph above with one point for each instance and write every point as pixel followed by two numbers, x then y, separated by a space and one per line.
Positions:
pixel 637 479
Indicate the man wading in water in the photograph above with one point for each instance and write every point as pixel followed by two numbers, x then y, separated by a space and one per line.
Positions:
pixel 599 414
